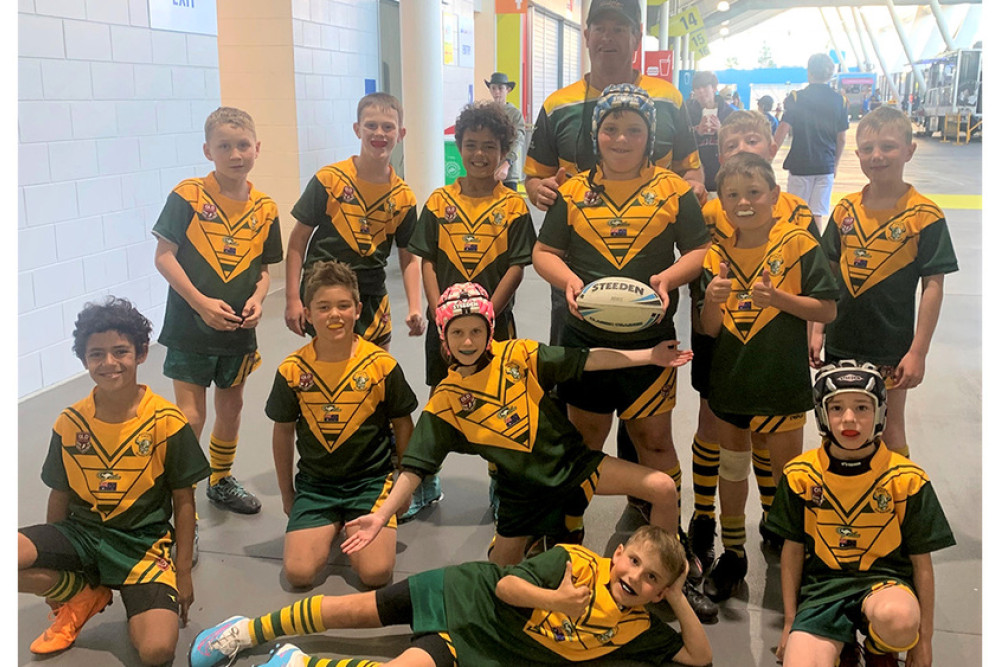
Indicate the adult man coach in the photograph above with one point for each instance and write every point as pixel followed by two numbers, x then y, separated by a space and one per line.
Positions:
pixel 817 119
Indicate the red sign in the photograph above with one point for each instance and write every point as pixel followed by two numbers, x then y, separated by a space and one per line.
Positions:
pixel 660 64
pixel 511 6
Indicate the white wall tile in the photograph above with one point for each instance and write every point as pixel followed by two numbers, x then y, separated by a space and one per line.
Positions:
pixel 131 45
pixel 36 247
pixel 45 204
pixel 118 156
pixel 86 40
pixel 169 48
pixel 43 121
pixel 156 152
pixel 71 9
pixel 190 146
pixel 22 215
pixel 153 82
pixel 112 81
pixel 312 35
pixel 25 293
pixel 105 270
pixel 33 164
pixel 123 228
pixel 29 79
pixel 26 6
pixel 140 258
pixel 136 291
pixel 29 374
pixel 212 87
pixel 136 118
pixel 300 9
pixel 71 311
pixel 188 82
pixel 138 13
pixel 79 238
pixel 58 282
pixel 172 117
pixel 302 61
pixel 39 37
pixel 108 11
pixel 156 313
pixel 71 160
pixel 142 188
pixel 40 328
pixel 92 120
pixel 296 31
pixel 330 38
pixel 59 363
pixel 66 80
pixel 99 195
pixel 203 50
pixel 169 178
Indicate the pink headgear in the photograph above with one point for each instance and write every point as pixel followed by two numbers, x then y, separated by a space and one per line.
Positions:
pixel 464 299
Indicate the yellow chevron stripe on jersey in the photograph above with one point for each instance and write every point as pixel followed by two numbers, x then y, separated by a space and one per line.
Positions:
pixel 334 412
pixel 781 256
pixel 601 629
pixel 110 466
pixel 621 221
pixel 381 324
pixel 862 524
pixel 156 566
pixel 228 234
pixel 363 217
pixel 874 247
pixel 502 411
pixel 789 208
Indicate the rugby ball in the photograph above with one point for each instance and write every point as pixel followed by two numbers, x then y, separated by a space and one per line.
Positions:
pixel 619 304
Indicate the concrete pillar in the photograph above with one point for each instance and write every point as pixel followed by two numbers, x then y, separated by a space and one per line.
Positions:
pixel 878 55
pixel 423 89
pixel 850 39
pixel 901 32
pixel 942 25
pixel 485 38
pixel 861 39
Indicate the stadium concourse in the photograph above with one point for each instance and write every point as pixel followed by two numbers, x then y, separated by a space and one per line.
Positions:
pixel 240 567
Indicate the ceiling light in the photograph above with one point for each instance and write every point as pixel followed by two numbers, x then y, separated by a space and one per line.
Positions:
pixel 724 31
pixel 723 6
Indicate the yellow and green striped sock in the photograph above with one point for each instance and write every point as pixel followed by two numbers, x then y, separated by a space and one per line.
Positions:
pixel 68 585
pixel 221 455
pixel 704 475
pixel 734 533
pixel 765 478
pixel 303 617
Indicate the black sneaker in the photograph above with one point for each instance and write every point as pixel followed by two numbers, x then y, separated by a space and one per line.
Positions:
pixel 229 493
pixel 769 537
pixel 701 532
pixel 706 610
pixel 727 574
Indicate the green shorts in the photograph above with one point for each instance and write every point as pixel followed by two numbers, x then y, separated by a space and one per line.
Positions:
pixel 204 369
pixel 841 617
pixel 634 393
pixel 556 513
pixel 318 504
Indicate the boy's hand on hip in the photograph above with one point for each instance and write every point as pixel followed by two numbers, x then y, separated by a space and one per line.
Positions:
pixel 219 315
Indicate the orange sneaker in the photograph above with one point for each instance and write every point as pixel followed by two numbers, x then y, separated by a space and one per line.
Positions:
pixel 69 620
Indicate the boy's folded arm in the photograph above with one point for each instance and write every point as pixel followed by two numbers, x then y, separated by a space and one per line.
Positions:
pixel 519 592
pixel 806 308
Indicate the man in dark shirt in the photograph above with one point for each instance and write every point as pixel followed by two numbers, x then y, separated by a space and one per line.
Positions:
pixel 817 119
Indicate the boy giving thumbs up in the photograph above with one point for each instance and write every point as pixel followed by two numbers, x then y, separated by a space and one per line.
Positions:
pixel 762 286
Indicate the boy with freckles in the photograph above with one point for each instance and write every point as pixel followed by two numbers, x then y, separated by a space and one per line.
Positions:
pixel 761 286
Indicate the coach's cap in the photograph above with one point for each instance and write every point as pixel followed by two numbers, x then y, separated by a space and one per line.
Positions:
pixel 627 9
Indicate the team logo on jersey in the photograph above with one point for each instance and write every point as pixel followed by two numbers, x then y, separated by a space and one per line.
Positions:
pixel 471 243
pixel 895 231
pixel 817 495
pixel 390 206
pixel 254 223
pixel 514 371
pixel 467 401
pixel 450 213
pixel 209 211
pixel 883 501
pixel 361 382
pixel 348 194
pixel 775 265
pixel 848 538
pixel 509 415
pixel 648 198
pixel 607 636
pixel 162 564
pixel 846 226
pixel 744 301
pixel 83 442
pixel 144 444
pixel 330 413
pixel 861 257
pixel 498 217
pixel 107 475
pixel 229 245
pixel 305 381
pixel 591 198
pixel 365 227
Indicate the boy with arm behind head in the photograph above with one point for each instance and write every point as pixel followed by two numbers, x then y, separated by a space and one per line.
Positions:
pixel 215 237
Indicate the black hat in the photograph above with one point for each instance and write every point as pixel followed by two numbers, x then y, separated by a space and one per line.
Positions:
pixel 500 79
pixel 627 9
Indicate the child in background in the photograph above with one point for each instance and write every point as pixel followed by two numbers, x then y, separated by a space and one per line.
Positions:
pixel 563 606
pixel 761 287
pixel 120 462
pixel 883 241
pixel 215 238
pixel 352 211
pixel 860 523
pixel 336 399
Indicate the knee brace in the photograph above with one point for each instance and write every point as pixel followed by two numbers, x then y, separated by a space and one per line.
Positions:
pixel 734 466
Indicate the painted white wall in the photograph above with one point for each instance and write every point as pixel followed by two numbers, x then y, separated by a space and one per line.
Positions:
pixel 110 118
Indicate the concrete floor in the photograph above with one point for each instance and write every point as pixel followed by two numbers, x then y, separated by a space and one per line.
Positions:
pixel 240 568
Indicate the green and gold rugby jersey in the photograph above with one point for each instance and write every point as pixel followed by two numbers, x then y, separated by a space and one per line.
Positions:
pixel 860 527
pixel 760 364
pixel 882 255
pixel 123 475
pixel 629 229
pixel 342 410
pixel 356 221
pixel 790 209
pixel 562 135
pixel 487 632
pixel 474 239
pixel 504 414
pixel 221 245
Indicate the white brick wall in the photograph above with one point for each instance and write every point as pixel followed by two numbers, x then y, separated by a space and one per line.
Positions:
pixel 109 120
